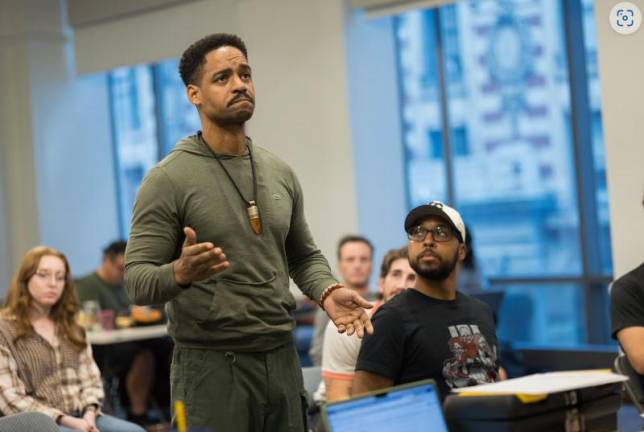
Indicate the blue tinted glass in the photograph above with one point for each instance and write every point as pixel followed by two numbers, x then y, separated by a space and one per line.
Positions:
pixel 541 314
pixel 599 153
pixel 179 117
pixel 135 133
pixel 422 135
pixel 510 135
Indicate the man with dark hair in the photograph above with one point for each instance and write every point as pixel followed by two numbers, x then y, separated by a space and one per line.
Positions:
pixel 431 330
pixel 105 285
pixel 355 259
pixel 353 238
pixel 339 354
pixel 193 59
pixel 217 228
pixel 134 362
pixel 627 315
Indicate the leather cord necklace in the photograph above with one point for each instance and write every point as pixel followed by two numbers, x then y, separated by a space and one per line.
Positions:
pixel 251 210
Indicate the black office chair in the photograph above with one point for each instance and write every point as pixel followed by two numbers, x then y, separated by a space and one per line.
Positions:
pixel 634 386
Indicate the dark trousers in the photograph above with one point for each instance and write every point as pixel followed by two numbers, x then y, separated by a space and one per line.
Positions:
pixel 239 391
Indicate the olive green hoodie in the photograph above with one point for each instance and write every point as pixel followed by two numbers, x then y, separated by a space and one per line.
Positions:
pixel 248 306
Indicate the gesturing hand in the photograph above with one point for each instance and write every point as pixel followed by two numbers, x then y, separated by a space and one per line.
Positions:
pixel 347 310
pixel 198 261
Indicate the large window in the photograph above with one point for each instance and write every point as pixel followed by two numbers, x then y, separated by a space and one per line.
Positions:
pixel 150 114
pixel 501 107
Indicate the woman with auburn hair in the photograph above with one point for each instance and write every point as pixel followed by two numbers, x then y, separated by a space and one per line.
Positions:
pixel 46 364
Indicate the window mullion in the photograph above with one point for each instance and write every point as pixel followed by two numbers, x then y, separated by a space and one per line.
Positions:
pixel 583 160
pixel 444 109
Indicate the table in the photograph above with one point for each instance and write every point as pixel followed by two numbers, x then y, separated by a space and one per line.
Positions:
pixel 103 348
pixel 108 337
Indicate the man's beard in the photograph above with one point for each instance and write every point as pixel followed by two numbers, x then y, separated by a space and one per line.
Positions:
pixel 236 119
pixel 440 273
pixel 227 118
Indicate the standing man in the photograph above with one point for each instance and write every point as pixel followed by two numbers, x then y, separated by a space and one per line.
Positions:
pixel 431 330
pixel 218 226
pixel 340 353
pixel 355 260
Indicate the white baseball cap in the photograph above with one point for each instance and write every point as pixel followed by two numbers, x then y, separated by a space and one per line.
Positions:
pixel 437 208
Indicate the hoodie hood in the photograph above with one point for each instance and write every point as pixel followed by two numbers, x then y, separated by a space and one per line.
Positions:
pixel 192 144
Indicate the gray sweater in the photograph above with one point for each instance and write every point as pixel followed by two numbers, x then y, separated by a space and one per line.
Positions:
pixel 248 306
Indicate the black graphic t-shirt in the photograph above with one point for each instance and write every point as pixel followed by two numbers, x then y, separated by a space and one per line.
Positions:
pixel 418 337
pixel 627 301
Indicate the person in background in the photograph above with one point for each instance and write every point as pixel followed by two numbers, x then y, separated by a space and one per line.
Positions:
pixel 46 364
pixel 139 364
pixel 339 354
pixel 431 330
pixel 470 280
pixel 627 315
pixel 355 261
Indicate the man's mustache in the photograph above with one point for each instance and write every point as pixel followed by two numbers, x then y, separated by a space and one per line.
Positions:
pixel 241 96
pixel 426 252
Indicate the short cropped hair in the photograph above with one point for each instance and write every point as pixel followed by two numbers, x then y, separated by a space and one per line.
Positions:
pixel 194 57
pixel 114 249
pixel 389 258
pixel 354 238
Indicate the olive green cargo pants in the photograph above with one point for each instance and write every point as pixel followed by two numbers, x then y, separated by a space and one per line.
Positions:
pixel 239 391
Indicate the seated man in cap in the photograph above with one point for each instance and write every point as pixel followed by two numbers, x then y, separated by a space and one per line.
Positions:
pixel 431 330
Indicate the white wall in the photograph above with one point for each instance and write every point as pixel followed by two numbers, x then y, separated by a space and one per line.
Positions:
pixel 378 151
pixel 19 220
pixel 621 67
pixel 153 35
pixel 55 143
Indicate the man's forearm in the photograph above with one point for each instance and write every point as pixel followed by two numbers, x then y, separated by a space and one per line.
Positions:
pixel 365 382
pixel 337 389
pixel 150 284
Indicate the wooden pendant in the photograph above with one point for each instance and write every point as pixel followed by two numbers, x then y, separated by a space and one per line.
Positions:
pixel 253 218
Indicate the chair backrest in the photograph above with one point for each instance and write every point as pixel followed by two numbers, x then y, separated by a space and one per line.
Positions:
pixel 634 386
pixel 28 422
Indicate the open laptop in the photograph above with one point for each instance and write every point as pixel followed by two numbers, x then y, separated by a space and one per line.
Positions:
pixel 413 407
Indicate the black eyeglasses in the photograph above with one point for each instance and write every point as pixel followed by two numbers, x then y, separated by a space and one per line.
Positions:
pixel 440 233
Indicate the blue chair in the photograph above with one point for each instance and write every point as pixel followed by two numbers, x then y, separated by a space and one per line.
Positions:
pixel 28 422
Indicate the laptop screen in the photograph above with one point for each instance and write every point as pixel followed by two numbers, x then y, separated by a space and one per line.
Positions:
pixel 412 407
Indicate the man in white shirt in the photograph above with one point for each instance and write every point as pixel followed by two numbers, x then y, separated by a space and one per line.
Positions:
pixel 339 354
pixel 355 259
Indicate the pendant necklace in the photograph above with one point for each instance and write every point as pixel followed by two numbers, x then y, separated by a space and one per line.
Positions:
pixel 251 206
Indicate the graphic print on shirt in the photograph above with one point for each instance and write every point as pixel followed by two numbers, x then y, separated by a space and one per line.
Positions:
pixel 473 360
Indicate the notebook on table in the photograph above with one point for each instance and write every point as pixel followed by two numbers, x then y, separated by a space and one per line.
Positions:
pixel 413 407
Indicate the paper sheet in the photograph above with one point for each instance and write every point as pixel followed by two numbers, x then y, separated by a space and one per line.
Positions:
pixel 546 383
